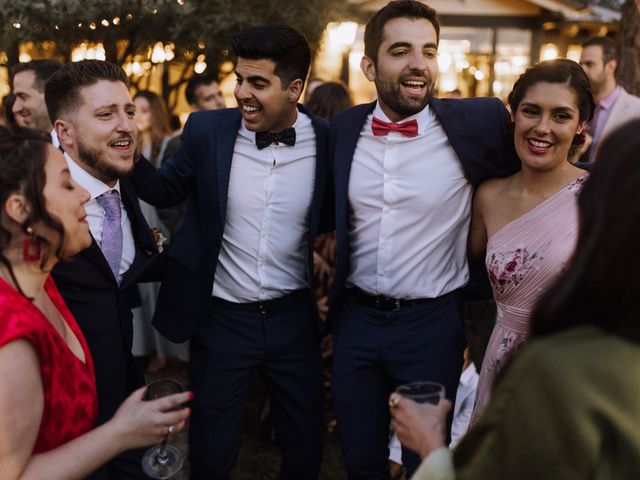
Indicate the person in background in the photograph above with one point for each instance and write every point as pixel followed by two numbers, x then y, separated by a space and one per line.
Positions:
pixel 202 93
pixel 566 408
pixel 48 402
pixel 614 105
pixel 527 244
pixel 155 134
pixel 27 85
pixel 328 99
pixel 312 84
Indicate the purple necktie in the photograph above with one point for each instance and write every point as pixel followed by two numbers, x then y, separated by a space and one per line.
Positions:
pixel 111 244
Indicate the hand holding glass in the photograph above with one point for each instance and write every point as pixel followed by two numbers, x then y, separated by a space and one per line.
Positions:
pixel 162 461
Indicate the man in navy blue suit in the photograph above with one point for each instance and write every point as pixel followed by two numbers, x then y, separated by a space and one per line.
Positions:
pixel 237 278
pixel 405 168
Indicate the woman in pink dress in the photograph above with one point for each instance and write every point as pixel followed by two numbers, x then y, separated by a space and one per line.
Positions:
pixel 48 402
pixel 527 223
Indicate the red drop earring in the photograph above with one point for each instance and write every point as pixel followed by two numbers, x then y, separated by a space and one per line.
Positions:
pixel 31 247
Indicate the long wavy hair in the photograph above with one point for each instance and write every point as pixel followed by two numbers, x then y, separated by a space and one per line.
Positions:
pixel 23 154
pixel 159 121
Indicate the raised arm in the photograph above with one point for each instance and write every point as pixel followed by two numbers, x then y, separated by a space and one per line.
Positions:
pixel 174 181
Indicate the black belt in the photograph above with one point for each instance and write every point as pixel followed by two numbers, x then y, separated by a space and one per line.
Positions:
pixel 265 306
pixel 380 302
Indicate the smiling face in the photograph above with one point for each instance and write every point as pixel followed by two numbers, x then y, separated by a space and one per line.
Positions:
pixel 100 133
pixel 265 103
pixel 406 68
pixel 546 121
pixel 64 200
pixel 29 108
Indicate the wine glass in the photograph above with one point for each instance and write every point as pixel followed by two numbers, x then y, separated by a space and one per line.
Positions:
pixel 162 461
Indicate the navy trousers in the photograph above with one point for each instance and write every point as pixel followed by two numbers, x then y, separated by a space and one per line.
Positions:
pixel 374 352
pixel 283 345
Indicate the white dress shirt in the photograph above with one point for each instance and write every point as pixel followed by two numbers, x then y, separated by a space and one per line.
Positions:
pixel 96 214
pixel 410 212
pixel 264 246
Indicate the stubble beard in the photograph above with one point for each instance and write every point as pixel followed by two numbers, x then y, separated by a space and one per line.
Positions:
pixel 389 92
pixel 94 158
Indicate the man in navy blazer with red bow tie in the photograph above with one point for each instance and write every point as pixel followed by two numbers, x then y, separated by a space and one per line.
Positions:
pixel 405 169
pixel 238 277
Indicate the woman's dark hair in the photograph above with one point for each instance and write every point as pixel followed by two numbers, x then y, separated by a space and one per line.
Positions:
pixel 23 154
pixel 374 30
pixel 283 45
pixel 562 71
pixel 159 121
pixel 328 99
pixel 599 286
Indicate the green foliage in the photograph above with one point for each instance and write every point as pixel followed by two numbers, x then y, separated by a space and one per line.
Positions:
pixel 143 22
pixel 130 27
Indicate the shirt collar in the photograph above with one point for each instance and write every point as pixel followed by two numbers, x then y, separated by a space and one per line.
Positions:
pixel 607 102
pixel 422 117
pixel 87 181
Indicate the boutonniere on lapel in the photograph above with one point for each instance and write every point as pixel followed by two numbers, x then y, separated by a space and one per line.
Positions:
pixel 159 238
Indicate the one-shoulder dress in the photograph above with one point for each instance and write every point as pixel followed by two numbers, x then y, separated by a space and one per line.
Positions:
pixel 523 258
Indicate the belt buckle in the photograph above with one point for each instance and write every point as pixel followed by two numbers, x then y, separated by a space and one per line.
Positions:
pixel 396 307
pixel 387 303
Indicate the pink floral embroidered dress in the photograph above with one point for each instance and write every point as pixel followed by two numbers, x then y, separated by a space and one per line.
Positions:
pixel 523 259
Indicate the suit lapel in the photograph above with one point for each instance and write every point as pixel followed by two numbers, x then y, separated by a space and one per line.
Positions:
pixel 453 121
pixel 346 147
pixel 94 255
pixel 225 137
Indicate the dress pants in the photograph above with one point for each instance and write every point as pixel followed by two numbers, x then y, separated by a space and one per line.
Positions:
pixel 283 344
pixel 374 352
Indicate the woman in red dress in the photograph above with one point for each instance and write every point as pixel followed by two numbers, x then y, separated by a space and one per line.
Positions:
pixel 48 402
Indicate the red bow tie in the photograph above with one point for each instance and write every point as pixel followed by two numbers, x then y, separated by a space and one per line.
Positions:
pixel 407 129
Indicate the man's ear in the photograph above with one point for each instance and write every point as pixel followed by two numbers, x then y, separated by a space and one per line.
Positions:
pixel 295 90
pixel 612 66
pixel 65 132
pixel 368 67
pixel 16 208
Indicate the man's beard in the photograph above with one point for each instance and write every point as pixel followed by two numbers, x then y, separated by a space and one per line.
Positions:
pixel 95 159
pixel 40 121
pixel 390 94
